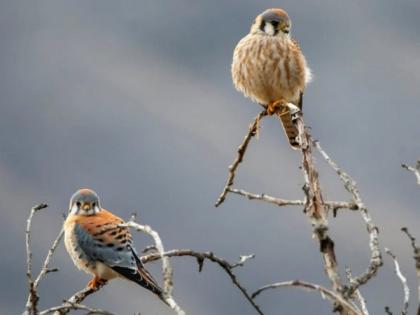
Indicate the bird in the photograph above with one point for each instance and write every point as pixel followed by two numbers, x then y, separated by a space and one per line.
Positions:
pixel 99 245
pixel 269 67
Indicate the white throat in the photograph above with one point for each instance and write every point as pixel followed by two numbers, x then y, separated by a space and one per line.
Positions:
pixel 269 29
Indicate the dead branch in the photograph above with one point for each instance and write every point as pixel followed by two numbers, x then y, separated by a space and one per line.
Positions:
pixel 415 170
pixel 201 257
pixel 79 296
pixel 333 205
pixel 403 282
pixel 75 299
pixel 314 207
pixel 357 294
pixel 74 306
pixel 166 266
pixel 376 257
pixel 416 257
pixel 32 302
pixel 253 129
pixel 331 295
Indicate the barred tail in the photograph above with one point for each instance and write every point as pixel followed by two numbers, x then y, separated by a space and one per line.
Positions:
pixel 290 128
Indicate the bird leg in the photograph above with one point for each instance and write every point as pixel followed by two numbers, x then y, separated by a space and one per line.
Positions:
pixel 279 106
pixel 96 282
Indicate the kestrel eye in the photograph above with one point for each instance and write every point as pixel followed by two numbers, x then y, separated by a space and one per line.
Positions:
pixel 93 204
pixel 78 204
pixel 275 23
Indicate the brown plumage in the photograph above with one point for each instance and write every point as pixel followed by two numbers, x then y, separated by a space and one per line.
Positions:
pixel 269 67
pixel 98 244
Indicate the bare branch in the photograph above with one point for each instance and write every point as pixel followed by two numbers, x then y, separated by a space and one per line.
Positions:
pixel 314 207
pixel 331 295
pixel 415 170
pixel 31 304
pixel 253 129
pixel 74 306
pixel 226 266
pixel 166 266
pixel 416 250
pixel 376 257
pixel 358 295
pixel 403 281
pixel 44 269
pixel 334 205
pixel 75 299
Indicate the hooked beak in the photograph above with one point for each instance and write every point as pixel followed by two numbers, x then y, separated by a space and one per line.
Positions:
pixel 86 206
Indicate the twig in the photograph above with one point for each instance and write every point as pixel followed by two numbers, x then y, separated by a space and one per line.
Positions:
pixel 415 170
pixel 44 269
pixel 253 129
pixel 334 205
pixel 403 281
pixel 75 299
pixel 388 310
pixel 331 295
pixel 358 295
pixel 416 250
pixel 201 256
pixel 74 306
pixel 31 304
pixel 376 257
pixel 166 267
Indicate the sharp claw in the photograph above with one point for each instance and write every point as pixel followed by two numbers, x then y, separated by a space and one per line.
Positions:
pixel 96 282
pixel 276 107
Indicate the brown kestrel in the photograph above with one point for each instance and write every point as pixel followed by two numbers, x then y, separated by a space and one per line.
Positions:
pixel 100 246
pixel 269 68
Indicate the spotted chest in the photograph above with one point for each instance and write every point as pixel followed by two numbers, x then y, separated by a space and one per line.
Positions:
pixel 97 244
pixel 266 69
pixel 79 257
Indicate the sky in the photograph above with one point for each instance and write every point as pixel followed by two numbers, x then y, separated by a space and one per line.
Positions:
pixel 134 99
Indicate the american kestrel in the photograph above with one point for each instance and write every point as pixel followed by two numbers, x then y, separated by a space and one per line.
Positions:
pixel 100 246
pixel 269 67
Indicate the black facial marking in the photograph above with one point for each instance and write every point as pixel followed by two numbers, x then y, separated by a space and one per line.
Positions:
pixel 262 26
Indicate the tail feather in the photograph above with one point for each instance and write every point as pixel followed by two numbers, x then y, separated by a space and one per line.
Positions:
pixel 290 128
pixel 140 276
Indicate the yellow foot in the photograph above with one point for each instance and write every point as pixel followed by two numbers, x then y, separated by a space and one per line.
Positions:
pixel 278 106
pixel 96 282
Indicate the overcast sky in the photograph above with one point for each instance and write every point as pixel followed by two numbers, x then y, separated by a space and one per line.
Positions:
pixel 134 100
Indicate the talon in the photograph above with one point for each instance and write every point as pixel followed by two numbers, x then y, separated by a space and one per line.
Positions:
pixel 278 106
pixel 96 282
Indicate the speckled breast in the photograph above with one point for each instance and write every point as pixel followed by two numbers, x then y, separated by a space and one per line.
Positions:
pixel 267 68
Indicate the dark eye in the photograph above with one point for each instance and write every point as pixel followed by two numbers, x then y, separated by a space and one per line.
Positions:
pixel 78 204
pixel 93 204
pixel 275 23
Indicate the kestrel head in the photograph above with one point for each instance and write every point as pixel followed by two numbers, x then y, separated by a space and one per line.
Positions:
pixel 84 202
pixel 272 22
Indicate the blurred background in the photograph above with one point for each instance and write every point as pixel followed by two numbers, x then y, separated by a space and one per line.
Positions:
pixel 134 99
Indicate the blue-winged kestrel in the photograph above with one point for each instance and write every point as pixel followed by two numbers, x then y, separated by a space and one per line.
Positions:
pixel 269 68
pixel 100 246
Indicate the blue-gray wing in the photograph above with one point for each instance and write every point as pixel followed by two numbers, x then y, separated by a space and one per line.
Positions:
pixel 109 244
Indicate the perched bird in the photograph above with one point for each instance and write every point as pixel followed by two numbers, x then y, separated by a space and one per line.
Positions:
pixel 269 68
pixel 100 246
